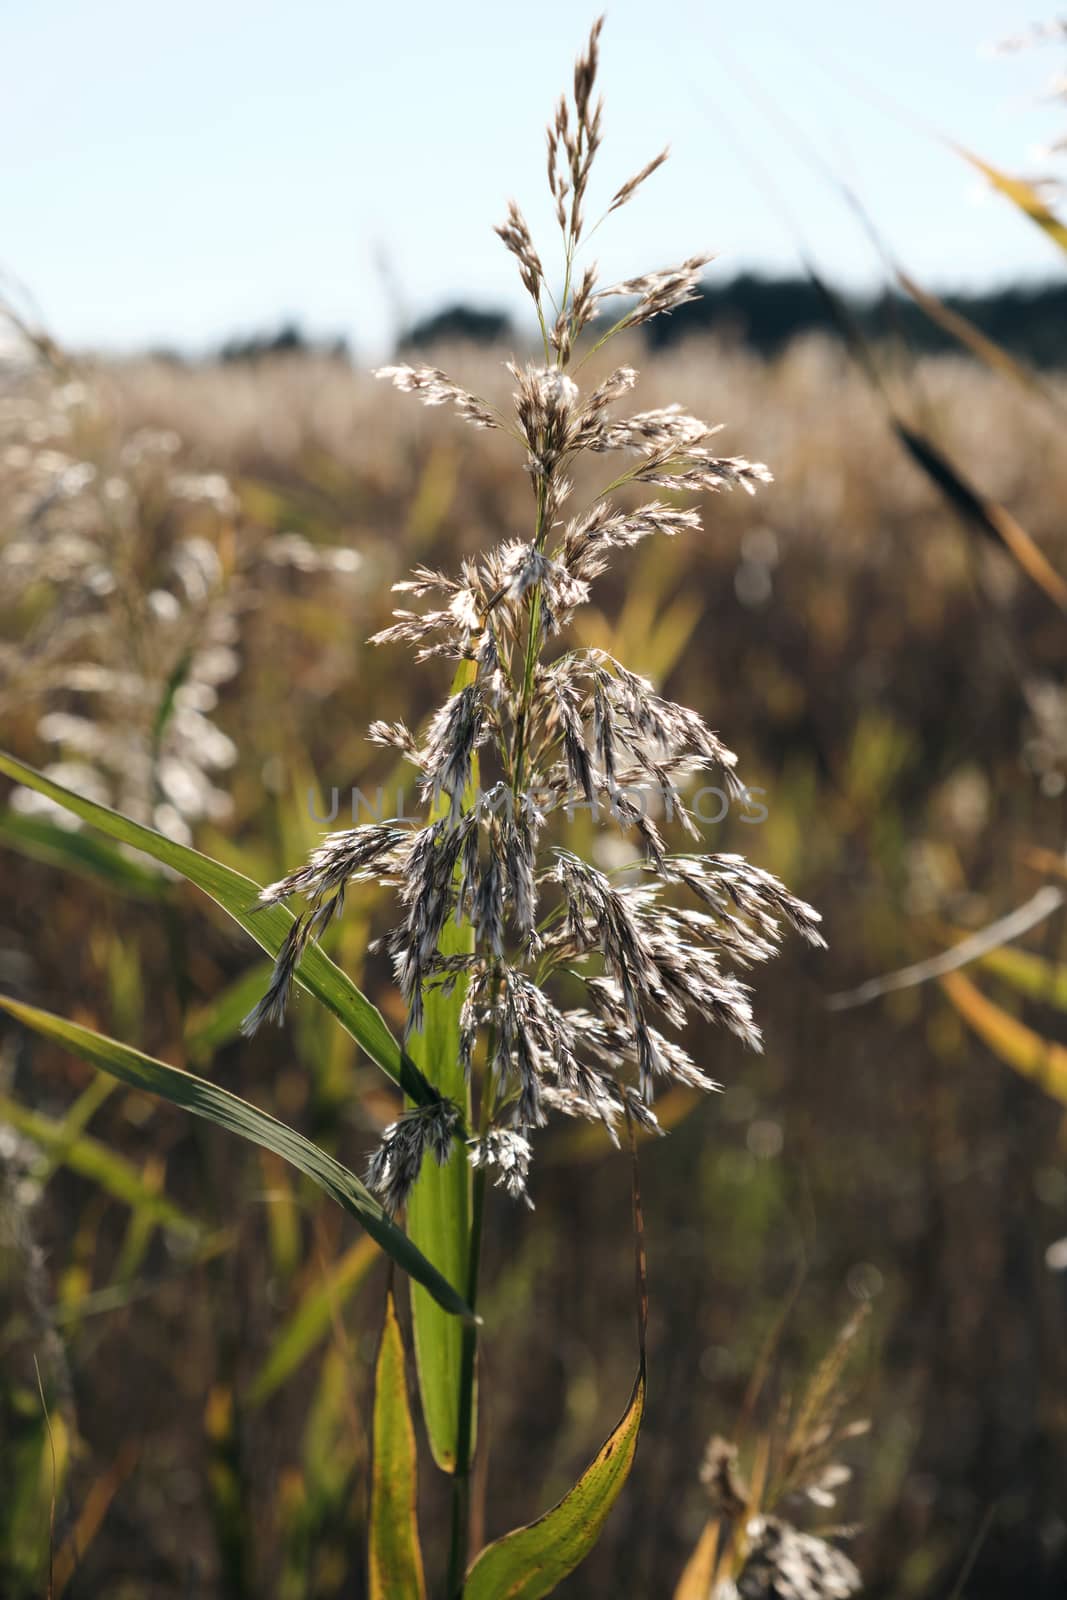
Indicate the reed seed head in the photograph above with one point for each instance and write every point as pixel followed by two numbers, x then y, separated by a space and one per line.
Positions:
pixel 561 729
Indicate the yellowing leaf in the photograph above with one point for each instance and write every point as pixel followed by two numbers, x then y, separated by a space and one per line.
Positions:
pixel 394 1555
pixel 696 1581
pixel 1021 194
pixel 1042 1060
pixel 529 1562
pixel 93 1510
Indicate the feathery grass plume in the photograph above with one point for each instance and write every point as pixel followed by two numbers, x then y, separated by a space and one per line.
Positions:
pixel 559 728
pixel 748 1548
pixel 784 1561
pixel 396 1163
pixel 127 581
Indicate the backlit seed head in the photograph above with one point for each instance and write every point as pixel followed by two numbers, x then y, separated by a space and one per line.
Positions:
pixel 551 731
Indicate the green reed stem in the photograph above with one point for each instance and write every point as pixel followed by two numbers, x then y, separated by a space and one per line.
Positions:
pixel 461 1476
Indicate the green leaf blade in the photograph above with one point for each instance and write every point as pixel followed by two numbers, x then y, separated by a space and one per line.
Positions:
pixel 268 926
pixel 439 1207
pixel 395 1559
pixel 41 839
pixel 92 1160
pixel 237 1116
pixel 1029 974
pixel 529 1562
pixel 438 1217
pixel 218 1023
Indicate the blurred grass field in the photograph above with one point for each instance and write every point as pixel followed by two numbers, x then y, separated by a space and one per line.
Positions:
pixel 204 1328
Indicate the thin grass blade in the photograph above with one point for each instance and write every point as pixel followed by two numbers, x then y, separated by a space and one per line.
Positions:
pixel 1029 974
pixel 311 1321
pixel 986 515
pixel 987 350
pixel 90 1159
pixel 211 1026
pixel 229 1111
pixel 268 926
pixel 975 509
pixel 1021 194
pixel 43 840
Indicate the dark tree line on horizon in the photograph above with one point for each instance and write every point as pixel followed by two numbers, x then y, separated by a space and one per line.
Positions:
pixel 765 314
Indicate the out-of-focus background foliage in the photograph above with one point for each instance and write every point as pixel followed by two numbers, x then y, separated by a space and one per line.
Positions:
pixel 192 556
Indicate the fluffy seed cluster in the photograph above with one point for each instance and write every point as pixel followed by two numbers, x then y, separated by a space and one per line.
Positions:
pixel 579 980
pixel 785 1562
pixel 127 584
pixel 398 1159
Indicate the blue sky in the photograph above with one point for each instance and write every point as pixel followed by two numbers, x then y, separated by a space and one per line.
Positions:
pixel 177 175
